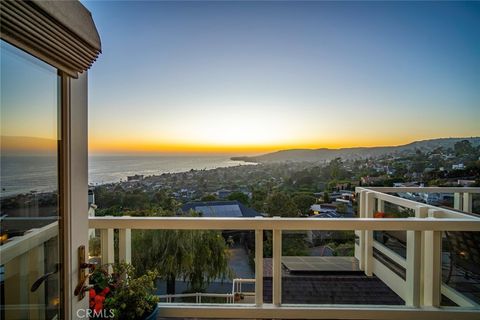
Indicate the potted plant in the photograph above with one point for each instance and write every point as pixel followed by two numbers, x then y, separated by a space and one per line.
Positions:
pixel 239 296
pixel 120 295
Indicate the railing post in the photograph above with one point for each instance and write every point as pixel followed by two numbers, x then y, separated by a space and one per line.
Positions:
pixel 432 270
pixel 259 267
pixel 467 202
pixel 361 238
pixel 414 265
pixel 125 245
pixel 457 201
pixel 380 205
pixel 369 208
pixel 277 267
pixel 106 245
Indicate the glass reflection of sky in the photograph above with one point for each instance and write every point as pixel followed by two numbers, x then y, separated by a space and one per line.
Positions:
pixel 29 179
pixel 28 102
pixel 29 123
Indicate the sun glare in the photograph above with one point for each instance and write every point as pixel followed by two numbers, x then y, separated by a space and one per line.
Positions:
pixel 247 130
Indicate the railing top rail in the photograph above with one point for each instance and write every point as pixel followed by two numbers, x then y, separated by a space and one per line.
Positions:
pixel 277 223
pixel 22 244
pixel 380 194
pixel 270 311
pixel 195 294
pixel 244 280
pixel 424 189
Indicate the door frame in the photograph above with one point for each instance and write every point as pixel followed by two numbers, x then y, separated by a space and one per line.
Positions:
pixel 63 34
pixel 74 194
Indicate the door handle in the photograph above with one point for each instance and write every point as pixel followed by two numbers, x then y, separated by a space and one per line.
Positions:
pixel 44 278
pixel 82 287
pixel 82 278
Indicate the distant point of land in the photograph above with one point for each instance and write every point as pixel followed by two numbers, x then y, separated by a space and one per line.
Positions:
pixel 325 154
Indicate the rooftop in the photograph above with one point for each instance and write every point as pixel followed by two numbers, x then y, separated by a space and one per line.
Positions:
pixel 213 209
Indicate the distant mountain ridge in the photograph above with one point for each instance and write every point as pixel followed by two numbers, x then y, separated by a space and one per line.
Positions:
pixel 325 154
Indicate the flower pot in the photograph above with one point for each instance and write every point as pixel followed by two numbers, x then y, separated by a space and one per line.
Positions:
pixel 153 315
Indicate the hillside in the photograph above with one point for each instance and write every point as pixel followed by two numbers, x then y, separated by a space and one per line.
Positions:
pixel 325 154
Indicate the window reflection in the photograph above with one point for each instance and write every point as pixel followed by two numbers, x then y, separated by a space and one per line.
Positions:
pixel 29 206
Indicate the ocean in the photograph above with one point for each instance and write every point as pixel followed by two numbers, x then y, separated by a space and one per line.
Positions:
pixel 22 174
pixel 106 169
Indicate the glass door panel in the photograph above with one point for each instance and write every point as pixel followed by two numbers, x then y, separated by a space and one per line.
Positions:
pixel 29 180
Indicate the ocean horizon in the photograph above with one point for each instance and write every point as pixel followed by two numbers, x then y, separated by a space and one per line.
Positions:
pixel 115 168
pixel 26 173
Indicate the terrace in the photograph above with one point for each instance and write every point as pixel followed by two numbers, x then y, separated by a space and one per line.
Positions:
pixel 414 275
pixel 420 273
pixel 411 259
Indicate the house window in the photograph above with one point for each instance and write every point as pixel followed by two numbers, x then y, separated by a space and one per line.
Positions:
pixel 30 134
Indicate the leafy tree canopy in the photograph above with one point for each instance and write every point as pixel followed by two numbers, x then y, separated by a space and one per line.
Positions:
pixel 195 255
pixel 280 204
pixel 240 197
pixel 209 197
pixel 304 202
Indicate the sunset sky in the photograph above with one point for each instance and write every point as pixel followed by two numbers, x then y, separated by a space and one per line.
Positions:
pixel 254 77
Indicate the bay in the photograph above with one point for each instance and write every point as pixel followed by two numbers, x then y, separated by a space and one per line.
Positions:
pixel 24 173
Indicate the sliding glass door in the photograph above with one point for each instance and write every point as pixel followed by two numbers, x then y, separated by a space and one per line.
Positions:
pixel 29 205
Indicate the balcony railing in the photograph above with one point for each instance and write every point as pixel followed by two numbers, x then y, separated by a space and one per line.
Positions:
pixel 228 297
pixel 29 251
pixel 421 287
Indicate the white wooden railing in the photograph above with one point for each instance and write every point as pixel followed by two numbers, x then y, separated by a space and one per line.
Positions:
pixel 228 297
pixel 421 289
pixel 423 248
pixel 22 261
pixel 169 298
pixel 237 286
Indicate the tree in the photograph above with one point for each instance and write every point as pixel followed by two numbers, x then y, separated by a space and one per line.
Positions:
pixel 304 202
pixel 105 198
pixel 168 251
pixel 209 197
pixel 210 260
pixel 335 170
pixel 326 197
pixel 136 199
pixel 463 147
pixel 280 204
pixel 195 255
pixel 163 199
pixel 258 199
pixel 293 244
pixel 239 196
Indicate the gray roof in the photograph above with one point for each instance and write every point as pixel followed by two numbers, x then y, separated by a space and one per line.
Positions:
pixel 228 210
pixel 215 209
pixel 333 289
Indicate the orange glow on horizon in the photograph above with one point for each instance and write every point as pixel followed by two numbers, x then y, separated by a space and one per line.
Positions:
pixel 131 146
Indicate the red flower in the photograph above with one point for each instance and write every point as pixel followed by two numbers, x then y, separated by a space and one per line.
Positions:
pixel 92 293
pixel 379 215
pixel 105 291
pixel 98 307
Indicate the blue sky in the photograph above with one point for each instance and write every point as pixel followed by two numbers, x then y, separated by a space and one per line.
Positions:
pixel 259 76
